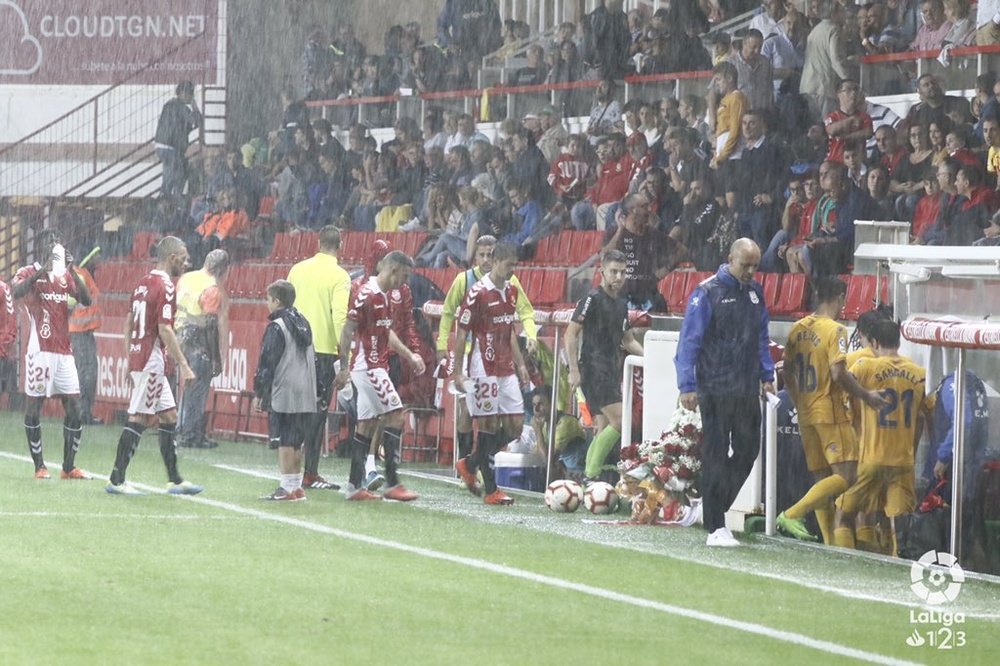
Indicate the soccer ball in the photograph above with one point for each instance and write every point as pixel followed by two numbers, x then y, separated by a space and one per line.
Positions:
pixel 600 498
pixel 563 496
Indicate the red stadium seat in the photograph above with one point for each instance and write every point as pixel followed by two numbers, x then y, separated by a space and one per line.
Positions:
pixel 266 206
pixel 553 289
pixel 694 278
pixel 671 288
pixel 308 245
pixel 860 295
pixel 282 250
pixel 772 287
pixel 532 282
pixel 792 298
pixel 237 281
pixel 548 250
pixel 583 245
pixel 354 246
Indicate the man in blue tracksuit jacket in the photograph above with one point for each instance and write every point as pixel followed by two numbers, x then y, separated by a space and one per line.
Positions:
pixel 722 363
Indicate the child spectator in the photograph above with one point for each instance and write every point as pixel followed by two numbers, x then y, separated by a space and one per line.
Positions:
pixel 929 207
pixel 285 385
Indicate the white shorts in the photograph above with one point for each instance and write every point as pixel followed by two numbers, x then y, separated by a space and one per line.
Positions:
pixel 47 374
pixel 151 393
pixel 495 396
pixel 376 393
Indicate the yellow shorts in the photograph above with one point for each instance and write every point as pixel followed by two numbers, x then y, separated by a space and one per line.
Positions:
pixel 881 487
pixel 827 444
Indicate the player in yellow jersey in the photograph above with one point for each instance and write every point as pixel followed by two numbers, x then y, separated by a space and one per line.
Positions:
pixel 818 382
pixel 866 534
pixel 891 432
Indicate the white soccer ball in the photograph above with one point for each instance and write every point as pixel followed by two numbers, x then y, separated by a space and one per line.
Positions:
pixel 600 498
pixel 563 496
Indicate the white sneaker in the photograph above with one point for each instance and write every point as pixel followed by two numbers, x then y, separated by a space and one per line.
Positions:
pixel 412 225
pixel 722 538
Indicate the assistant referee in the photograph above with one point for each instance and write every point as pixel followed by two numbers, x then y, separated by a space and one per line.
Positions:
pixel 601 319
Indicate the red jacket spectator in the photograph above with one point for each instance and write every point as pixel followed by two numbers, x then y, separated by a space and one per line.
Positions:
pixel 8 321
pixel 928 210
pixel 966 156
pixel 835 152
pixel 612 183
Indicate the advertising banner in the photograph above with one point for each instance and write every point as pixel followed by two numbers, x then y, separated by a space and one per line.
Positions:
pixel 102 42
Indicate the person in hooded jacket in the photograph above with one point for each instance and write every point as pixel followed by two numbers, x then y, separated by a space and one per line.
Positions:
pixel 285 385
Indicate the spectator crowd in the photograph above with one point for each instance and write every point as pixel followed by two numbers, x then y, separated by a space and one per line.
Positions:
pixel 783 148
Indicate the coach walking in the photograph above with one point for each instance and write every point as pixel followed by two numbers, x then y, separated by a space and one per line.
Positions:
pixel 723 364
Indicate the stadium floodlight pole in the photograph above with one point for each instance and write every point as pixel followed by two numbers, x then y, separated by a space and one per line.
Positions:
pixel 957 457
pixel 551 444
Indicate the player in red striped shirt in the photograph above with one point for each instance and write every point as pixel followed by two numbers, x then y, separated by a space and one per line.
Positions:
pixel 149 331
pixel 49 366
pixel 366 340
pixel 496 369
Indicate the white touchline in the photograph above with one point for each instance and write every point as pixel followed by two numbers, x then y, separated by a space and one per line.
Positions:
pixel 611 595
pixel 116 516
pixel 739 625
pixel 820 587
pixel 748 627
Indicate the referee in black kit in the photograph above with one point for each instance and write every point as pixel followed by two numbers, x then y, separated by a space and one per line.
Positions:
pixel 723 364
pixel 596 367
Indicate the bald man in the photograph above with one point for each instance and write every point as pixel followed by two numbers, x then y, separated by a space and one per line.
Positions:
pixel 723 366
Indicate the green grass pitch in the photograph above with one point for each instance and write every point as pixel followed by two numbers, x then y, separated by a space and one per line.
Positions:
pixel 225 578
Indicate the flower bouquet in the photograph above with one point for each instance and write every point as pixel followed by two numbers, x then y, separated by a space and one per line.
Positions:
pixel 660 477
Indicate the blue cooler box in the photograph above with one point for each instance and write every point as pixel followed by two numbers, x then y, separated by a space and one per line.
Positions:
pixel 524 471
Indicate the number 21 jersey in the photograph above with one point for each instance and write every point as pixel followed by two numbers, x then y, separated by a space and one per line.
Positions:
pixel 153 303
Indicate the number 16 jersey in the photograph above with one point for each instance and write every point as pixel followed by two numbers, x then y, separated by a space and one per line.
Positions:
pixel 154 302
pixel 815 345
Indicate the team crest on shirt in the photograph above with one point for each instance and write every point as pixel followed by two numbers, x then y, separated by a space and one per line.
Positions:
pixel 753 298
pixel 395 296
pixel 62 281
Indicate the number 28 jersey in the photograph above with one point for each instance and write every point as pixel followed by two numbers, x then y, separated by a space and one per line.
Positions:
pixel 154 302
pixel 489 313
pixel 815 345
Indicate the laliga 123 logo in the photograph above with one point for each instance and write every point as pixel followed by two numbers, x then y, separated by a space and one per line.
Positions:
pixel 936 578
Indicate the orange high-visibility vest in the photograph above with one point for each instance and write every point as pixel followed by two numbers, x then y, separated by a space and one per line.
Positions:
pixel 86 317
